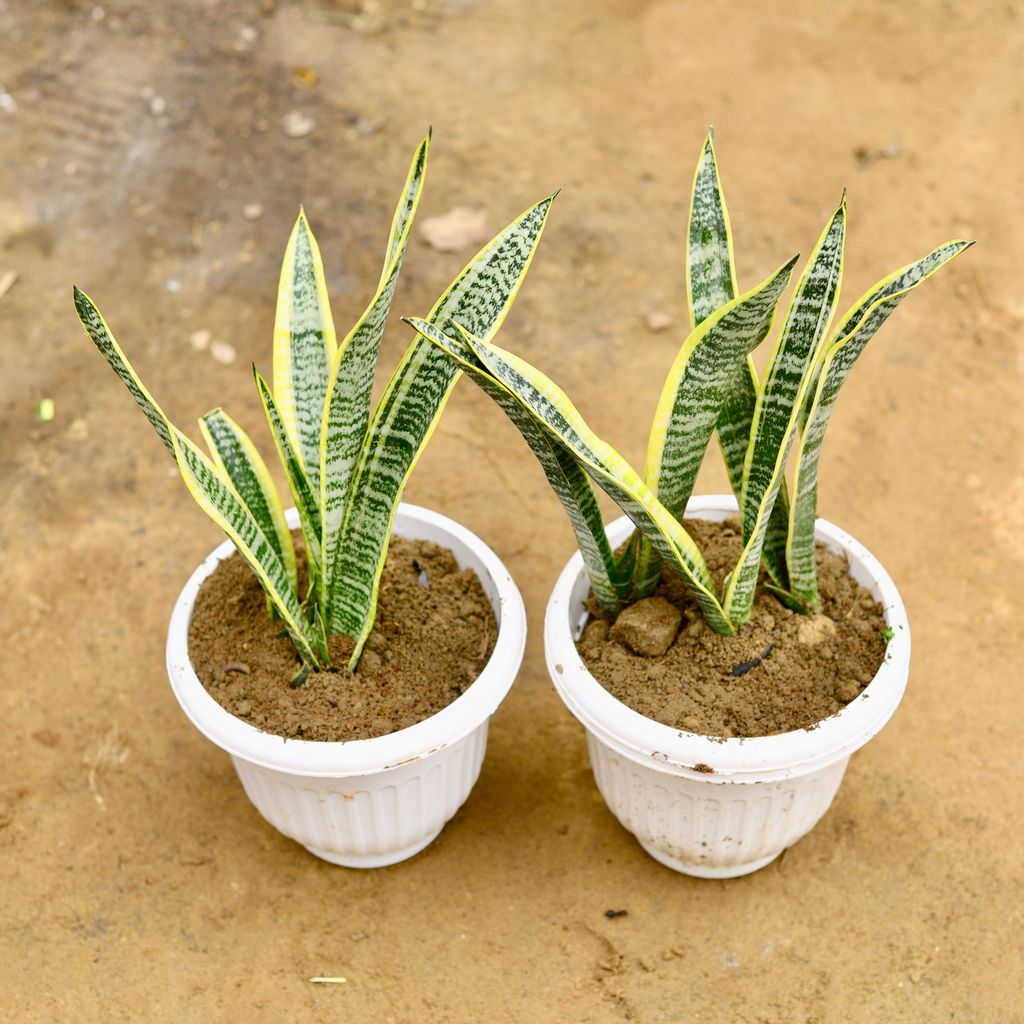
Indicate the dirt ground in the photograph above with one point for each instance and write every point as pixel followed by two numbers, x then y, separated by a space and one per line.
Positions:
pixel 136 881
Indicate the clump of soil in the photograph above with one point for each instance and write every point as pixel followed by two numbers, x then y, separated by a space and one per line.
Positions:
pixel 434 632
pixel 783 671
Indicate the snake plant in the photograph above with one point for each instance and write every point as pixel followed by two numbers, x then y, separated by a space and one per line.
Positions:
pixel 346 463
pixel 712 388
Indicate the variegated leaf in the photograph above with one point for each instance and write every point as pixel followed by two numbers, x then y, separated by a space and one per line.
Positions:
pixel 298 481
pixel 711 283
pixel 709 360
pixel 347 409
pixel 209 487
pixel 217 498
pixel 778 405
pixel 552 408
pixel 96 327
pixel 710 273
pixel 304 346
pixel 568 480
pixel 405 211
pixel 237 459
pixel 407 415
pixel 855 331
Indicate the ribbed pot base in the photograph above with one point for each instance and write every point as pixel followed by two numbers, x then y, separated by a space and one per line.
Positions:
pixel 375 860
pixel 703 871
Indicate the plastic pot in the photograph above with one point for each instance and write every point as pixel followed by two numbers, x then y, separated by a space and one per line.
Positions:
pixel 366 803
pixel 712 807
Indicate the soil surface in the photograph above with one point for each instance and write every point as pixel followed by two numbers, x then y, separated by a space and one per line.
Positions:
pixel 434 632
pixel 782 671
pixel 145 158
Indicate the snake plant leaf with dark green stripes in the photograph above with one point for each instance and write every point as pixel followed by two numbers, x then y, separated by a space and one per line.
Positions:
pixel 346 412
pixel 298 481
pixel 691 399
pixel 855 331
pixel 407 415
pixel 779 401
pixel 237 458
pixel 710 284
pixel 217 498
pixel 567 478
pixel 96 327
pixel 304 346
pixel 405 211
pixel 552 408
pixel 710 271
pixel 209 487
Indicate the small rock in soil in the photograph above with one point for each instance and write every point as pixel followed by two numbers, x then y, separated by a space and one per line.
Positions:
pixel 369 663
pixel 846 691
pixel 814 629
pixel 375 642
pixel 648 627
pixel 696 626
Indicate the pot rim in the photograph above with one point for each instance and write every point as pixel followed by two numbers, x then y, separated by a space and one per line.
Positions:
pixel 678 752
pixel 361 757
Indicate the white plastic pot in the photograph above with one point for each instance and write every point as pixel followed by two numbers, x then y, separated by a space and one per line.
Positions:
pixel 750 798
pixel 366 803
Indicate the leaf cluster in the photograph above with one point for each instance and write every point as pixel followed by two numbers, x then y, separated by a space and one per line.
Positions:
pixel 712 388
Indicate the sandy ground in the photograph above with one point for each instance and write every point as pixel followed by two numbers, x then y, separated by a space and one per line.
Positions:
pixel 137 881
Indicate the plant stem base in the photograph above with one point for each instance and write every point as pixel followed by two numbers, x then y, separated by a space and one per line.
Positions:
pixel 701 871
pixel 374 860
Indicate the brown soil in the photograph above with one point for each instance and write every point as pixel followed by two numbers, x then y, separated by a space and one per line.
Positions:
pixel 429 642
pixel 782 671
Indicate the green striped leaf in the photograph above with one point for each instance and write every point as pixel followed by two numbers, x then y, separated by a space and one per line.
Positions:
pixel 779 401
pixel 709 360
pixel 710 273
pixel 552 408
pixel 298 481
pixel 215 496
pixel 853 334
pixel 710 284
pixel 237 459
pixel 210 488
pixel 346 412
pixel 568 480
pixel 96 327
pixel 407 415
pixel 405 211
pixel 304 346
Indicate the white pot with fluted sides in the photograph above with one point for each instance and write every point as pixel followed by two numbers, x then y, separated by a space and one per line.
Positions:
pixel 714 807
pixel 366 803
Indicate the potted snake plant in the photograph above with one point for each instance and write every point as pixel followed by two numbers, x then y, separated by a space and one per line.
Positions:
pixel 312 624
pixel 726 654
